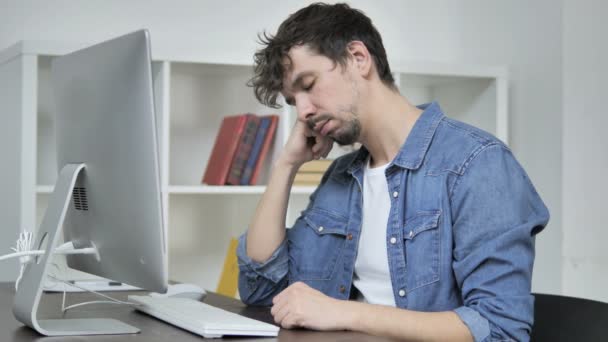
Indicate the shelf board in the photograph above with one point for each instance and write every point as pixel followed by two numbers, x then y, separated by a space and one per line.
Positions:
pixel 209 189
pixel 303 189
pixel 215 189
pixel 231 189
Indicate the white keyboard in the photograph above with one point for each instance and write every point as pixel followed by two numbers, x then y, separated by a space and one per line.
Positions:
pixel 200 318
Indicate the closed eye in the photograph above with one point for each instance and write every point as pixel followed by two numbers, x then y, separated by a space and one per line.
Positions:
pixel 308 87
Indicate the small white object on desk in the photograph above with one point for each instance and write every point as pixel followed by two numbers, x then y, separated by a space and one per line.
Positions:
pixel 189 291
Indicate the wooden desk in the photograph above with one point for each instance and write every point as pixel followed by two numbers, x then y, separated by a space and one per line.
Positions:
pixel 152 329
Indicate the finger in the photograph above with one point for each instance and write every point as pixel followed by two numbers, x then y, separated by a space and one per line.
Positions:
pixel 320 142
pixel 288 321
pixel 323 150
pixel 327 148
pixel 274 309
pixel 301 127
pixel 278 302
pixel 280 313
pixel 307 132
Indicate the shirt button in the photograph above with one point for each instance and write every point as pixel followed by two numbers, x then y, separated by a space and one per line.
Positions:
pixel 321 229
pixel 393 240
pixel 395 194
pixel 342 289
pixel 411 233
pixel 401 293
pixel 349 236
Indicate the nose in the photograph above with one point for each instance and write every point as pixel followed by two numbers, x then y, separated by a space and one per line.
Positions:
pixel 304 107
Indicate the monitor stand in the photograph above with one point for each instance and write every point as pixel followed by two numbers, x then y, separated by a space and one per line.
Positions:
pixel 28 296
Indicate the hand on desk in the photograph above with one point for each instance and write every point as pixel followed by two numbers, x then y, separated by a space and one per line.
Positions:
pixel 299 305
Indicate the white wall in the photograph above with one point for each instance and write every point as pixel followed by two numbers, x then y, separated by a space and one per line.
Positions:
pixel 585 149
pixel 523 35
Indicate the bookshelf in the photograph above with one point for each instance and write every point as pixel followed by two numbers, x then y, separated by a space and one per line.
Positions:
pixel 192 94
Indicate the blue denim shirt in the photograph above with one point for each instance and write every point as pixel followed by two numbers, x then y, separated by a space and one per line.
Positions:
pixel 460 233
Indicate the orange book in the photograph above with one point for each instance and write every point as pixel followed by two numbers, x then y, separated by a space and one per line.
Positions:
pixel 228 284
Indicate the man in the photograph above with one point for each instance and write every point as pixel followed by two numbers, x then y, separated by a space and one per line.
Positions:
pixel 428 229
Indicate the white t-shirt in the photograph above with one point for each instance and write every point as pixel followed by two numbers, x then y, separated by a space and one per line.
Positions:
pixel 372 276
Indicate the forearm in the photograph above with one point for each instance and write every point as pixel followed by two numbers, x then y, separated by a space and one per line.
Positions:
pixel 403 324
pixel 267 229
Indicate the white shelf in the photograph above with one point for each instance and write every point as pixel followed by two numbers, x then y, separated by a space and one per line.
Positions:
pixel 231 189
pixel 194 90
pixel 302 190
pixel 216 189
pixel 210 190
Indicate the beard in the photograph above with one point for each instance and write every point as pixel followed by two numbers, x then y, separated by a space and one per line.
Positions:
pixel 349 133
pixel 346 134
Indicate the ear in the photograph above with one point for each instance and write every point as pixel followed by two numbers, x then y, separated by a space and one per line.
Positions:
pixel 361 58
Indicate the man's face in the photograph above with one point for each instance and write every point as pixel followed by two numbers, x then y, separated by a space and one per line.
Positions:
pixel 325 95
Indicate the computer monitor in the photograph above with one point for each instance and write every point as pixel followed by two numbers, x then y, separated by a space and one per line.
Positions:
pixel 108 194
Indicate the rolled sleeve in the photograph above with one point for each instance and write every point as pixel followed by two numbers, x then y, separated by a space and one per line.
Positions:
pixel 497 214
pixel 259 282
pixel 477 324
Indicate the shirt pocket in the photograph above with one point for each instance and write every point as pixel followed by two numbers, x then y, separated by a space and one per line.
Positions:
pixel 315 245
pixel 422 248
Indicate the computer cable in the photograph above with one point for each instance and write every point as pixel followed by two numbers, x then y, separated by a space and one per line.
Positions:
pixel 109 301
pixel 25 252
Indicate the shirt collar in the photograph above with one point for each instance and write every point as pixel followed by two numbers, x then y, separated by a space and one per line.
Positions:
pixel 416 145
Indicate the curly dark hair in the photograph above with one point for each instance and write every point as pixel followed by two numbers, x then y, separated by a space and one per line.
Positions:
pixel 327 30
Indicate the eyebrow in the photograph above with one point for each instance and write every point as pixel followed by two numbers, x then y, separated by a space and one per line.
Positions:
pixel 300 78
pixel 297 83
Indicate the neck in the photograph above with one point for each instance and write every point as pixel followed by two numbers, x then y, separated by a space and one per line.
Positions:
pixel 387 122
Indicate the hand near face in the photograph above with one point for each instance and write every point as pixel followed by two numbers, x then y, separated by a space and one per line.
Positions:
pixel 299 305
pixel 304 145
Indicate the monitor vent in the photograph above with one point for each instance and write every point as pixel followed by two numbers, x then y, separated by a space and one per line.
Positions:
pixel 79 197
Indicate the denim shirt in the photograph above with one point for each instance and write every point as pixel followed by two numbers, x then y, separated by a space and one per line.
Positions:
pixel 460 233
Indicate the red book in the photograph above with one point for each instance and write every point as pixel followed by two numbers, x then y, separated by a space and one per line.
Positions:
pixel 224 149
pixel 265 147
pixel 243 150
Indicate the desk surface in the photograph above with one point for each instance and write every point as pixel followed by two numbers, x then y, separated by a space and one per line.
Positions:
pixel 152 330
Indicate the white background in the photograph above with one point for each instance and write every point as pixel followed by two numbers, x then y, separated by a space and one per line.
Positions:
pixel 554 50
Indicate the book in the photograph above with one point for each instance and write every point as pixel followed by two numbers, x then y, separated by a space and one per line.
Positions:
pixel 308 178
pixel 255 151
pixel 243 150
pixel 229 279
pixel 262 143
pixel 318 165
pixel 265 147
pixel 224 148
pixel 311 172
